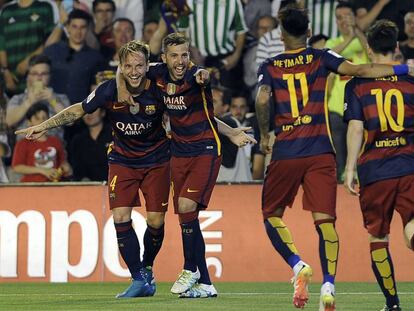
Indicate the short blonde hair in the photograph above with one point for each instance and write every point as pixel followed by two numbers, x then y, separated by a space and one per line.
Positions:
pixel 131 47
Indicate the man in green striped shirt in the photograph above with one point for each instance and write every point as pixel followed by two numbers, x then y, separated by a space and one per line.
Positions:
pixel 24 27
pixel 217 29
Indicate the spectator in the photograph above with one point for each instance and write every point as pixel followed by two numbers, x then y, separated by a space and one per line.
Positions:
pixel 407 47
pixel 235 166
pixel 318 41
pixel 368 11
pixel 123 31
pixel 269 45
pixel 89 149
pixel 221 46
pixel 41 160
pixel 351 45
pixel 103 13
pixel 4 152
pixel 264 24
pixel 150 27
pixel 131 9
pixel 253 10
pixel 24 28
pixel 37 90
pixel 73 63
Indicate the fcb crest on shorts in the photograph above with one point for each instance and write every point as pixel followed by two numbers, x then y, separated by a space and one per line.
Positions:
pixel 150 109
pixel 171 88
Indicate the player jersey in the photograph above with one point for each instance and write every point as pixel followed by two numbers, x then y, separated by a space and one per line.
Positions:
pixel 386 106
pixel 298 82
pixel 139 139
pixel 191 112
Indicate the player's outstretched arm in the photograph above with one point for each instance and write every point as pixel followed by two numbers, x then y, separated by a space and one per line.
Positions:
pixel 373 70
pixel 237 135
pixel 262 115
pixel 354 139
pixel 64 117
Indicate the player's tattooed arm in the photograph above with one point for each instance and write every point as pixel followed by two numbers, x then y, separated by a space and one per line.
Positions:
pixel 66 116
pixel 263 115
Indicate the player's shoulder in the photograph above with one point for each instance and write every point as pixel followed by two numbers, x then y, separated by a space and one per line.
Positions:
pixel 107 88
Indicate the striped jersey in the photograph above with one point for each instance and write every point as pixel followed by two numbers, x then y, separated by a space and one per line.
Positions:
pixel 190 108
pixel 139 139
pixel 322 17
pixel 298 82
pixel 386 106
pixel 270 44
pixel 23 30
pixel 213 25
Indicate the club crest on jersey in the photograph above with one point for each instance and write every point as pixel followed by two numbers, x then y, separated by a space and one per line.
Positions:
pixel 134 109
pixel 171 88
pixel 150 109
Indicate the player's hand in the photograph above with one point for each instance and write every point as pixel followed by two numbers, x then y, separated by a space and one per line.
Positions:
pixel 202 77
pixel 240 138
pixel 31 133
pixel 265 146
pixel 350 182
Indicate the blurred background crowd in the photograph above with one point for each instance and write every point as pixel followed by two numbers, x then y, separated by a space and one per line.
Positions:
pixel 54 53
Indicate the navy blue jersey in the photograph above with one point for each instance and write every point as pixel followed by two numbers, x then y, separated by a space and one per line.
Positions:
pixel 191 111
pixel 139 138
pixel 386 106
pixel 298 82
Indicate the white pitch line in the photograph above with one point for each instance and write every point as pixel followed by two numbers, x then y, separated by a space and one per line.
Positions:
pixel 220 294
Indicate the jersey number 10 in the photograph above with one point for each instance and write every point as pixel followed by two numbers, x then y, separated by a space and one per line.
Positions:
pixel 384 109
pixel 290 78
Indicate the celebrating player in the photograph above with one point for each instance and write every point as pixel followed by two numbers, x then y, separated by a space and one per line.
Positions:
pixel 196 155
pixel 138 159
pixel 303 153
pixel 382 108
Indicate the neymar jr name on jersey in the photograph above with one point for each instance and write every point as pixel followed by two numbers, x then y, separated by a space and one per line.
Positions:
pixel 291 62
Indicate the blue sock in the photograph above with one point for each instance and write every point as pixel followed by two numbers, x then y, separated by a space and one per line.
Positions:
pixel 153 239
pixel 189 236
pixel 129 248
pixel 201 258
pixel 281 240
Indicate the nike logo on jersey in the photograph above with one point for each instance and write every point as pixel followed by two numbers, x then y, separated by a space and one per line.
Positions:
pixel 191 190
pixel 164 204
pixel 117 106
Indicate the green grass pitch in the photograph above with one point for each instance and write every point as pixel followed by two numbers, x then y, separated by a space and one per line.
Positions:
pixel 232 296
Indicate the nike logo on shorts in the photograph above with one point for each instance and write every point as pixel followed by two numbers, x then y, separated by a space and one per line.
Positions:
pixel 191 190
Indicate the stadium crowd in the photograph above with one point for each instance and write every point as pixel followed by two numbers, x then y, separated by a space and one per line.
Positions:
pixel 54 53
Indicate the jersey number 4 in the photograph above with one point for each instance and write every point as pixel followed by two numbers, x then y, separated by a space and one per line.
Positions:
pixel 290 78
pixel 384 109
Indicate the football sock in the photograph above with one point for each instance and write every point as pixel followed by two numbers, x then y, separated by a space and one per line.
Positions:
pixel 189 236
pixel 129 248
pixel 384 271
pixel 201 258
pixel 328 248
pixel 153 238
pixel 282 240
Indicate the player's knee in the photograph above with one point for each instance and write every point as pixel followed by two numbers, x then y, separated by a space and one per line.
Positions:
pixel 187 217
pixel 186 205
pixel 121 214
pixel 155 220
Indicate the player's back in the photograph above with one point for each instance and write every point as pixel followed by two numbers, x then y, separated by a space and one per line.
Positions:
pixel 386 106
pixel 298 80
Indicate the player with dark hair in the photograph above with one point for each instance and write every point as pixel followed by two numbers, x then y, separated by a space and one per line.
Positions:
pixel 196 155
pixel 303 152
pixel 381 110
pixel 138 159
